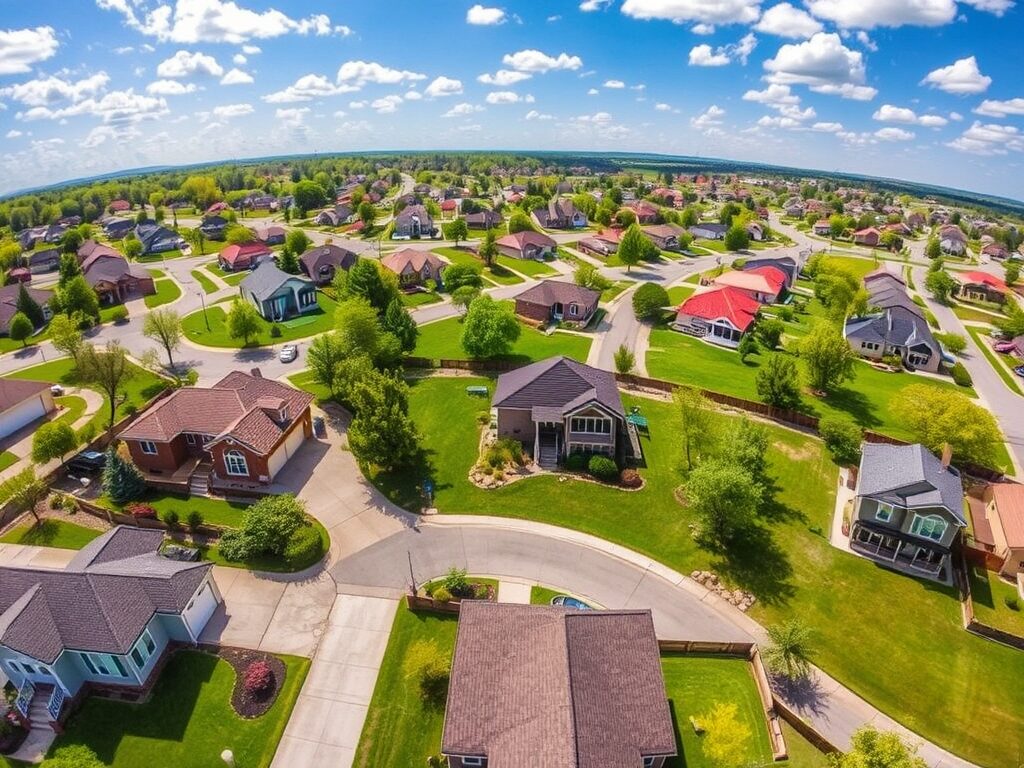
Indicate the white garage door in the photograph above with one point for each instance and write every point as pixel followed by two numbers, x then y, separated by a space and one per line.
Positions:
pixel 286 450
pixel 24 413
pixel 200 609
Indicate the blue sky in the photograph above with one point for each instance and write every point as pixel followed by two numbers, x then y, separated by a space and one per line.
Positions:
pixel 930 91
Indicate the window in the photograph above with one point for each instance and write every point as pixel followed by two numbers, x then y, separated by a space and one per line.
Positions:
pixel 119 665
pixel 88 662
pixel 574 310
pixel 587 424
pixel 236 463
pixel 884 512
pixel 143 649
pixel 472 761
pixel 648 762
pixel 190 438
pixel 148 447
pixel 13 667
pixel 101 663
pixel 928 527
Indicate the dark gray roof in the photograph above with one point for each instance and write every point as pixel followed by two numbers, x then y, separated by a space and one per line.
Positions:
pixel 548 292
pixel 324 255
pixel 551 687
pixel 101 602
pixel 911 476
pixel 710 226
pixel 558 383
pixel 263 281
pixel 415 210
pixel 787 264
pixel 900 323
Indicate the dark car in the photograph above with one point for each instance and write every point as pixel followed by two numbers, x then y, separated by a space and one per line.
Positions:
pixel 87 463
pixel 1019 370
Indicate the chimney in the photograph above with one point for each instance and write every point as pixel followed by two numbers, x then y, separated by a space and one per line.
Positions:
pixel 947 454
pixel 256 373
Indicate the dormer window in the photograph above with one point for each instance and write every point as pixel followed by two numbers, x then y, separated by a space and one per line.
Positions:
pixel 282 415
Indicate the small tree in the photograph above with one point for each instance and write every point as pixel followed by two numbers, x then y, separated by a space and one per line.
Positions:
pixel 399 322
pixel 724 498
pixel 456 276
pixel 789 651
pixel 697 419
pixel 381 433
pixel 456 230
pixel 748 346
pixel 243 321
pixel 78 296
pixel 737 238
pixel 490 328
pixel 588 276
pixel 109 369
pixel 297 242
pixel 828 357
pixel 842 437
pixel 871 748
pixel 650 301
pixel 940 285
pixel 20 328
pixel 953 342
pixel 65 335
pixel 163 326
pixel 726 738
pixel 24 492
pixel 69 268
pixel 287 261
pixel 935 417
pixel 778 382
pixel 53 440
pixel 1012 274
pixel 122 481
pixel 632 246
pixel 625 360
pixel 769 332
pixel 324 357
pixel 29 307
pixel 367 213
pixel 488 248
pixel 933 249
pixel 463 296
pixel 519 222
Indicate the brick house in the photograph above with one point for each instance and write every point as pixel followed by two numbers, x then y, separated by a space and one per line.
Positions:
pixel 558 301
pixel 526 245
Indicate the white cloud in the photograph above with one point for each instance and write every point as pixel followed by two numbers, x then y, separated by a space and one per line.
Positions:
pixel 187 64
pixel 587 6
pixel 774 96
pixel 21 48
pixel 597 117
pixel 703 56
pixel 100 134
pixel 227 111
pixel 822 63
pixel 443 86
pixel 638 87
pixel 503 78
pixel 463 109
pixel 482 16
pixel 251 50
pixel 887 113
pixel 868 14
pixel 995 108
pixel 960 77
pixel 554 17
pixel 412 96
pixel 356 104
pixel 532 60
pixel 864 39
pixel 216 21
pixel 703 29
pixel 894 134
pixel 989 139
pixel 955 116
pixel 771 121
pixel 292 117
pixel 827 127
pixel 470 127
pixel 170 88
pixel 386 104
pixel 709 118
pixel 997 7
pixel 702 11
pixel 236 77
pixel 50 90
pixel 239 59
pixel 593 92
pixel 533 114
pixel 13 134
pixel 505 97
pixel 340 113
pixel 614 84
pixel 785 20
pixel 663 107
pixel 121 50
pixel 359 73
pixel 116 107
pixel 307 88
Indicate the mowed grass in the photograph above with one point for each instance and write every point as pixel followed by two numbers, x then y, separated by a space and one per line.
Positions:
pixel 205 283
pixel 401 730
pixel 999 362
pixel 443 339
pixel 694 685
pixel 167 290
pixel 188 721
pixel 785 560
pixel 419 299
pixel 8 459
pixel 301 327
pixel 50 533
pixel 528 267
pixel 72 408
pixel 496 274
pixel 996 602
pixel 222 512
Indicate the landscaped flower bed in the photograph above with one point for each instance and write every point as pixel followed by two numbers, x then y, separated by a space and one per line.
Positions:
pixel 258 679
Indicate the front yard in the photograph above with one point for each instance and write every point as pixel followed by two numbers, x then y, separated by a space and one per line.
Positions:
pixel 496 274
pixel 443 339
pixel 50 533
pixel 167 291
pixel 301 327
pixel 188 721
pixel 786 562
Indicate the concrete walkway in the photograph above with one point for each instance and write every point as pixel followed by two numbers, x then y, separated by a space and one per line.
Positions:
pixel 514 591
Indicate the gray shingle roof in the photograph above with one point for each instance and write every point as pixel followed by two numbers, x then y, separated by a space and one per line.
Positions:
pixel 327 255
pixel 552 687
pixel 911 476
pixel 263 281
pixel 101 602
pixel 557 382
pixel 548 292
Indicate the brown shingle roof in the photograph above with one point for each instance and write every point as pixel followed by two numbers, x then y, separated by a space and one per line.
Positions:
pixel 560 383
pixel 548 292
pixel 399 260
pixel 551 687
pixel 14 391
pixel 1009 498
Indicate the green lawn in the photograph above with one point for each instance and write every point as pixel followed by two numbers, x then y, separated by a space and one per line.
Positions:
pixel 972 315
pixel 994 601
pixel 496 273
pixel 50 533
pixel 419 298
pixel 290 561
pixel 214 511
pixel 802 754
pixel 528 267
pixel 231 278
pixel 188 721
pixel 401 730
pixel 785 560
pixel 73 408
pixel 443 340
pixel 310 324
pixel 997 361
pixel 695 684
pixel 8 459
pixel 679 293
pixel 304 380
pixel 205 283
pixel 857 266
pixel 142 387
pixel 616 288
pixel 543 595
pixel 149 258
pixel 167 290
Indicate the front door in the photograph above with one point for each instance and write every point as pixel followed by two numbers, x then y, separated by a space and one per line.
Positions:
pixel 557 310
pixel 280 305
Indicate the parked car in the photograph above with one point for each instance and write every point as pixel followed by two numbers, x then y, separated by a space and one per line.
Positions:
pixel 87 463
pixel 289 352
pixel 56 390
pixel 1019 370
pixel 1005 347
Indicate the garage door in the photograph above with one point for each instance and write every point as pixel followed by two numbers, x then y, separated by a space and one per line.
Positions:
pixel 200 609
pixel 286 450
pixel 24 413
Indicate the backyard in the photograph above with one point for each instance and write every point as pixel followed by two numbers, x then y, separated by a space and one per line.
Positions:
pixel 188 721
pixel 50 533
pixel 443 339
pixel 785 560
pixel 301 327
pixel 996 602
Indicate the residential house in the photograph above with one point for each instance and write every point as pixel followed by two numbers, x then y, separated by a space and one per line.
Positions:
pixel 213 227
pixel 755 230
pixel 105 622
pixel 414 267
pixel 9 304
pixel 560 213
pixel 794 210
pixel 272 235
pixel 119 206
pixel 334 217
pixel 23 401
pixel 822 228
pixel 603 244
pixel 277 295
pixel 322 262
pixel 116 229
pixel 239 257
pixel 19 275
pixel 526 245
pixel 542 685
pixel 671 197
pixel 719 315
pixel 559 406
pixel 245 428
pixel 995 250
pixel 901 229
pixel 908 511
pixel 952 240
pixel 218 207
pixel 28 238
pixel 709 230
pixel 484 219
pixel 110 274
pixel 763 284
pixel 980 286
pixel 41 262
pixel 559 302
pixel 156 238
pixel 915 220
pixel 1002 526
pixel 256 202
pixel 449 208
pixel 413 221
pixel 789 266
pixel 664 236
pixel 646 211
pixel 869 236
pixel 563 187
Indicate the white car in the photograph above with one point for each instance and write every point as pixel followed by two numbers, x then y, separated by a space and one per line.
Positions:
pixel 289 352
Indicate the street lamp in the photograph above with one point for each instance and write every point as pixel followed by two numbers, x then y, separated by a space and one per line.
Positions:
pixel 202 298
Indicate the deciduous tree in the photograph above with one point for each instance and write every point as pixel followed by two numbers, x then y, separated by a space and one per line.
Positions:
pixel 243 321
pixel 697 423
pixel 381 433
pixel 625 360
pixel 297 241
pixel 940 285
pixel 53 440
pixel 456 231
pixel 78 296
pixel 726 738
pixel 20 328
pixel 109 369
pixel 828 357
pixel 778 382
pixel 937 416
pixel 490 328
pixel 399 322
pixel 871 748
pixel 163 325
pixel 737 238
pixel 588 276
pixel 488 248
pixel 650 301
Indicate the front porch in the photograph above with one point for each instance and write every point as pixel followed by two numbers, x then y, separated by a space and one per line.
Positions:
pixel 901 554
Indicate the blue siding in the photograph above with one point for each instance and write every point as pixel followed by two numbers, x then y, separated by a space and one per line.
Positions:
pixel 174 627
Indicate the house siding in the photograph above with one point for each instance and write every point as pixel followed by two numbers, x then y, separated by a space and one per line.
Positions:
pixel 516 423
pixel 903 518
pixel 168 457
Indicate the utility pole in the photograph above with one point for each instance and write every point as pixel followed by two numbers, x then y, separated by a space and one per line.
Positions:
pixel 412 576
pixel 202 298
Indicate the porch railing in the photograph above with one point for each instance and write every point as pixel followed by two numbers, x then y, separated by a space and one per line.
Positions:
pixel 24 700
pixel 56 703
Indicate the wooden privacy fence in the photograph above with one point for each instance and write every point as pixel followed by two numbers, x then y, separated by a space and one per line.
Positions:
pixel 971 624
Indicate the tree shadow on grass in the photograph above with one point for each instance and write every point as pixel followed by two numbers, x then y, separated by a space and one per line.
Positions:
pixel 756 563
pixel 404 485
pixel 43 534
pixel 854 403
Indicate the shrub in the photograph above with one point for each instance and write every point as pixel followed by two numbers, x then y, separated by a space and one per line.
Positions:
pixel 442 595
pixel 119 314
pixel 57 500
pixel 499 474
pixel 258 677
pixel 576 462
pixel 72 756
pixel 275 331
pixel 170 518
pixel 602 468
pixel 455 581
pixel 630 478
pixel 194 520
pixel 893 361
pixel 1012 603
pixel 842 437
pixel 426 662
pixel 139 510
pixel 786 313
pixel 305 546
pixel 235 547
pixel 649 300
pixel 960 375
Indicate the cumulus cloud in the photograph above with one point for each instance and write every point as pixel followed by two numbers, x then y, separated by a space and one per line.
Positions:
pixel 50 90
pixel 13 134
pixel 359 73
pixel 774 96
pixel 251 50
pixel 827 127
pixel 21 48
pixel 709 118
pixel 482 16
pixel 503 78
pixel 239 59
pixel 462 110
pixel 115 107
pixel 588 6
pixel 386 104
pixel 703 29
pixel 170 88
pixel 961 77
pixel 703 56
pixel 506 97
pixel 307 88
pixel 614 84
pixel 823 64
pixel 868 14
pixel 412 96
pixel 534 61
pixel 597 117
pixel 227 111
pixel 988 139
pixel 894 134
pixel 236 76
pixel 996 7
pixel 593 92
pixel 188 64
pixel 533 114
pixel 443 86
pixel 663 107
pixel 887 113
pixel 291 116
pixel 701 11
pixel 995 108
pixel 784 20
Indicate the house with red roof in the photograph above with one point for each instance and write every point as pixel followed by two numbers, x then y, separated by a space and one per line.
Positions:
pixel 119 206
pixel 449 207
pixel 526 245
pixel 870 237
pixel 646 211
pixel 980 286
pixel 763 284
pixel 244 428
pixel 242 256
pixel 719 315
